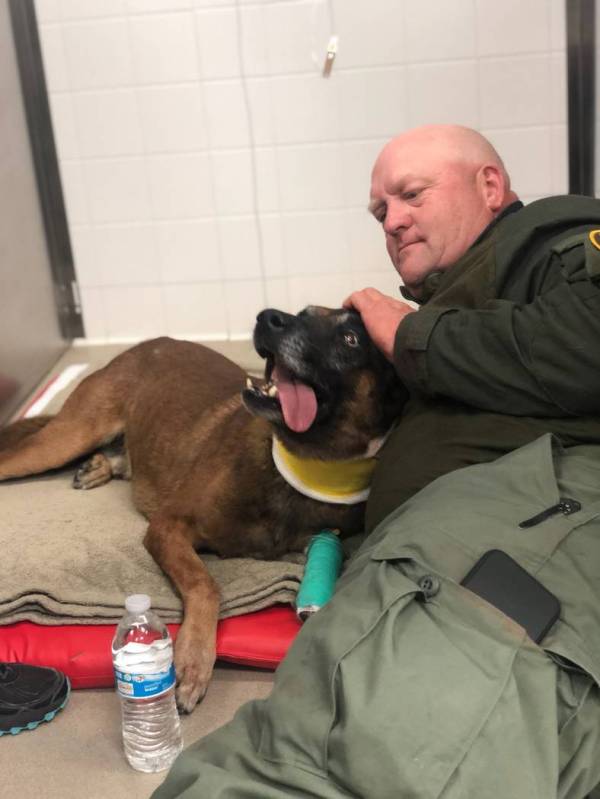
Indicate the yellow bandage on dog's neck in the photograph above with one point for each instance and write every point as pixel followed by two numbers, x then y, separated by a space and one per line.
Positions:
pixel 344 482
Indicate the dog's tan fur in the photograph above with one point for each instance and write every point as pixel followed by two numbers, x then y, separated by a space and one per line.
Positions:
pixel 201 470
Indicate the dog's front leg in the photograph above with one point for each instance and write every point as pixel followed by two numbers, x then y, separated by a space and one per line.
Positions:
pixel 169 541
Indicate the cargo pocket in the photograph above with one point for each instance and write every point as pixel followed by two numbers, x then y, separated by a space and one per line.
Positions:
pixel 412 694
pixel 296 719
pixel 573 686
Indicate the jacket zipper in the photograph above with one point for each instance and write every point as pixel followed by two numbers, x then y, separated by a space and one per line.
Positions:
pixel 566 506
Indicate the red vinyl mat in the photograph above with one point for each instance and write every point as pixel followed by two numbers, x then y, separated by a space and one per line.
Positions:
pixel 82 652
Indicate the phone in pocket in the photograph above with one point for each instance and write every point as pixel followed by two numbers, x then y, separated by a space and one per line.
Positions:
pixel 499 579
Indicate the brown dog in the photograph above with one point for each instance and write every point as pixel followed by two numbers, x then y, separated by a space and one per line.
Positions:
pixel 199 449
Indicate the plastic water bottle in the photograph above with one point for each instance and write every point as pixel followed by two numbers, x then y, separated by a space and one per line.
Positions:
pixel 142 652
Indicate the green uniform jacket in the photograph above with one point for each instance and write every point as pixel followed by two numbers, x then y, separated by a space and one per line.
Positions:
pixel 505 349
pixel 406 685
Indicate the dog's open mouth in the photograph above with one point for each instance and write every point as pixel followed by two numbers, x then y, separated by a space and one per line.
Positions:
pixel 284 391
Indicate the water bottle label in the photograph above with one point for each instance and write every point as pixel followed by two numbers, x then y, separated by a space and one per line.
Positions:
pixel 144 685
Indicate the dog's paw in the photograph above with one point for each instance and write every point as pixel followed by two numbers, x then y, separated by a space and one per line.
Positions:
pixel 193 667
pixel 94 472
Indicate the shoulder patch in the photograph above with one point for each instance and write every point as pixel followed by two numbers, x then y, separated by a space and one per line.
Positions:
pixel 594 237
pixel 592 255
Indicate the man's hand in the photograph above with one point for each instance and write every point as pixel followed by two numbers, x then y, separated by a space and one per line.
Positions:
pixel 381 316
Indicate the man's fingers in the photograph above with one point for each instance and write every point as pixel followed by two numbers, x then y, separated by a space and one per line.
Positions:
pixel 361 299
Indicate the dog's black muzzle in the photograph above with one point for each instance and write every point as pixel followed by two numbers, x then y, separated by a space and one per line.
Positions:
pixel 271 326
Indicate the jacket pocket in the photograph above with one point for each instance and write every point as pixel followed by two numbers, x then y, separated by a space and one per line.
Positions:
pixel 296 719
pixel 411 694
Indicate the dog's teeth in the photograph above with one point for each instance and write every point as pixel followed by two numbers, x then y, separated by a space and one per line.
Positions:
pixel 272 392
pixel 249 383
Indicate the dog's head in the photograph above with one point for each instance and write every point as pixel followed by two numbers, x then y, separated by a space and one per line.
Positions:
pixel 328 390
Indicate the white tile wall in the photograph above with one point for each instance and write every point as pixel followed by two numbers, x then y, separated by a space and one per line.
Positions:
pixel 240 248
pixel 181 186
pixel 227 114
pixel 444 92
pixel 372 103
pixel 95 114
pixel 441 31
pixel 305 234
pixel 217 33
pixel 87 9
pixel 98 54
pixel 504 28
pixel 173 118
pixel 273 252
pixel 528 77
pixel 117 190
pixel 132 312
pixel 527 154
pixel 195 309
pixel 243 300
pixel 189 251
pixel 164 49
pixel 305 108
pixel 310 177
pixel 234 182
pixel 209 168
pixel 296 35
pixel 373 32
pixel 357 162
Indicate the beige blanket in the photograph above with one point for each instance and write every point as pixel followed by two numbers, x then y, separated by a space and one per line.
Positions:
pixel 71 557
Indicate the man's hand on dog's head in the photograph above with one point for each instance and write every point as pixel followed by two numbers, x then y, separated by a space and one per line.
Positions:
pixel 381 316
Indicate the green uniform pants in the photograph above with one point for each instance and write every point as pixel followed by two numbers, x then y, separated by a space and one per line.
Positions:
pixel 407 685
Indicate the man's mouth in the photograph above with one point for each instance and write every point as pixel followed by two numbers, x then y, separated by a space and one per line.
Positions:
pixel 403 245
pixel 296 399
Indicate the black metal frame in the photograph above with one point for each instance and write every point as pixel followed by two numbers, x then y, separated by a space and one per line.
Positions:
pixel 43 148
pixel 581 72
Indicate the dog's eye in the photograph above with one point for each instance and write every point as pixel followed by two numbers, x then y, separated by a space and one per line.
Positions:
pixel 351 339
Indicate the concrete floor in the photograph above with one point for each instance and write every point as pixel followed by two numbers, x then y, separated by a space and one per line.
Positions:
pixel 79 753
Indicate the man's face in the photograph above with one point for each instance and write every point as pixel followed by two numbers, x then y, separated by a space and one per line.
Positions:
pixel 431 209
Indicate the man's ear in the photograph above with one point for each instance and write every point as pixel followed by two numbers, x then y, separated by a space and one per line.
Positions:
pixel 493 186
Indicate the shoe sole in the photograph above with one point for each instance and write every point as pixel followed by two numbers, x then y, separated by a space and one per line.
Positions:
pixel 48 717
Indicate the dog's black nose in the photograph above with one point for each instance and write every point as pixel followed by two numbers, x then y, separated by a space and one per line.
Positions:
pixel 273 319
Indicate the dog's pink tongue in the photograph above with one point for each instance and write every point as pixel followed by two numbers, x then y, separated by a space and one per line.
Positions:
pixel 298 401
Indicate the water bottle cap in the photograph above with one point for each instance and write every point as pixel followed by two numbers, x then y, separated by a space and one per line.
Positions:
pixel 137 603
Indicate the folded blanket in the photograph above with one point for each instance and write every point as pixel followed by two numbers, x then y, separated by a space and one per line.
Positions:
pixel 72 557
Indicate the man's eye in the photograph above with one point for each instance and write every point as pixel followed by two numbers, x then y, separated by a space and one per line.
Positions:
pixel 411 195
pixel 351 339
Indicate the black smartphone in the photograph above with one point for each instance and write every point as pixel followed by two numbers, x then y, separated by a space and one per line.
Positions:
pixel 499 579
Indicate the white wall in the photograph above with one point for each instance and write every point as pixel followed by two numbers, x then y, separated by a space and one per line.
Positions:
pixel 209 170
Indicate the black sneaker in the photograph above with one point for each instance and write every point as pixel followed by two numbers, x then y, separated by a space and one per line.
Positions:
pixel 30 695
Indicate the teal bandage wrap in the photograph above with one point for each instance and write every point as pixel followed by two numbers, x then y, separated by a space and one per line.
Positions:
pixel 323 565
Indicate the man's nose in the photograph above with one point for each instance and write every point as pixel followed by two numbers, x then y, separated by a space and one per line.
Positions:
pixel 397 218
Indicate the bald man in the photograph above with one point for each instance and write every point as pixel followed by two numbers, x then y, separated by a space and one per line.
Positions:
pixel 408 684
pixel 434 190
pixel 504 347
